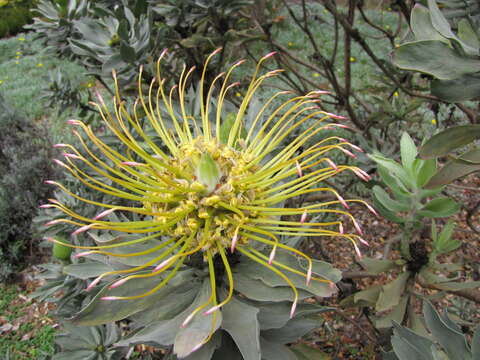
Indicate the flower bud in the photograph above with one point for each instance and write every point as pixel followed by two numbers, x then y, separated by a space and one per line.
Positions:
pixel 208 173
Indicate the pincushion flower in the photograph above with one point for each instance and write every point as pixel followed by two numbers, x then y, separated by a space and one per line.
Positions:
pixel 209 186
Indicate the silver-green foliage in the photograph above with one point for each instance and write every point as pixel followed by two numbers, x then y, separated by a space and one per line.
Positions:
pixel 434 48
pixel 446 342
pixel 89 343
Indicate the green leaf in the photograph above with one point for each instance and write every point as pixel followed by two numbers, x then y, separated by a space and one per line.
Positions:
pixel 450 139
pixel 163 332
pixel 434 58
pixel 387 202
pixel 392 292
pixel 275 351
pixel 476 344
pixel 369 295
pixel 257 271
pixel 439 207
pixel 443 27
pixel 101 311
pixel 455 169
pixel 387 214
pixel 198 330
pixel 87 269
pixel 422 26
pixel 408 345
pixel 377 266
pixel 463 88
pixel 240 321
pixel 397 314
pixel 127 53
pixel 467 34
pixel 292 331
pixel 408 151
pixel 257 290
pixel 425 171
pixel 451 340
pixel 394 168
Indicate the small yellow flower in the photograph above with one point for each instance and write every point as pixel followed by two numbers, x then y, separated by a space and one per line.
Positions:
pixel 21 39
pixel 316 75
pixel 238 94
pixel 17 62
pixel 353 59
pixel 18 53
pixel 1 82
pixel 395 94
pixel 17 57
pixel 39 65
pixel 290 44
pixel 434 121
pixel 387 27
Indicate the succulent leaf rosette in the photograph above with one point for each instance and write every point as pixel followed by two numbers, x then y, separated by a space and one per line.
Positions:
pixel 209 194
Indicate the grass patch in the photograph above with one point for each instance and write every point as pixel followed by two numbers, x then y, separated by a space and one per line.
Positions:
pixel 25 330
pixel 24 68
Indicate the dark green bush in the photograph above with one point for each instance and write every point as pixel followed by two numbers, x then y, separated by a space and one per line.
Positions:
pixel 25 162
pixel 14 14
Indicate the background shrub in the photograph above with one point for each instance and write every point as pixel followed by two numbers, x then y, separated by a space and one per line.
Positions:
pixel 24 165
pixel 14 14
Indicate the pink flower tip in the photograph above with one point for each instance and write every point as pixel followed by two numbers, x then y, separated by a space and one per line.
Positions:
pixel 211 310
pixel 363 241
pixel 332 164
pixel 108 298
pixel 239 62
pixel 93 284
pixel 309 275
pixel 217 50
pixel 357 250
pixel 71 156
pixel 272 255
pixel 187 320
pixel 74 122
pixel 50 182
pixel 53 222
pixel 118 283
pixel 196 347
pixel 292 310
pixel 60 145
pixel 85 253
pixel 298 168
pixel 342 201
pixel 234 241
pixel 83 229
pixel 357 227
pixel 270 54
pixel 340 228
pixel 46 206
pixel 348 152
pixel 372 210
pixel 132 163
pixel 162 265
pixel 335 116
pixel 304 217
pixel 104 213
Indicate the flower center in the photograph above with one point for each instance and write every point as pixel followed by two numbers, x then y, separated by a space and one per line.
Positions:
pixel 212 197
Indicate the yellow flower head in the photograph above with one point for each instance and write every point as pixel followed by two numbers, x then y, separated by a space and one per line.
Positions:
pixel 209 185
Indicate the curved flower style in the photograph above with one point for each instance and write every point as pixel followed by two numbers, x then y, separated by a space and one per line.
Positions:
pixel 212 186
